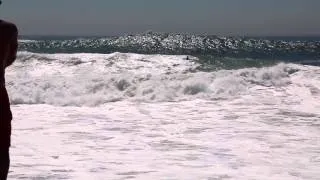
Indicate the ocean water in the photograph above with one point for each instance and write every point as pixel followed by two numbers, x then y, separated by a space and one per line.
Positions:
pixel 165 106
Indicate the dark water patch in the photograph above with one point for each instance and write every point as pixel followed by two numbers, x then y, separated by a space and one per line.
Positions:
pixel 297 114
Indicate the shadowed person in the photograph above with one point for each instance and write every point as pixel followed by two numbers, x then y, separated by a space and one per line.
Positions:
pixel 8 51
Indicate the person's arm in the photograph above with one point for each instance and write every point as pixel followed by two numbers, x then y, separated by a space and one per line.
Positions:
pixel 13 46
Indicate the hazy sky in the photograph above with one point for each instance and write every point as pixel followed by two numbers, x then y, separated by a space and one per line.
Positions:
pixel 111 17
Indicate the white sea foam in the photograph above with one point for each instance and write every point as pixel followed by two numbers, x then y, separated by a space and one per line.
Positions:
pixel 169 120
pixel 26 41
pixel 254 137
pixel 95 79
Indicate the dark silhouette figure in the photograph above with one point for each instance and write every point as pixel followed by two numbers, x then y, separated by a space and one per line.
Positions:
pixel 8 51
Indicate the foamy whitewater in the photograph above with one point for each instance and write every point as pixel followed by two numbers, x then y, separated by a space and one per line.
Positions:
pixel 139 116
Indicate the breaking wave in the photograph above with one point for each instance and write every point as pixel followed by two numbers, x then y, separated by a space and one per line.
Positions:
pixel 88 79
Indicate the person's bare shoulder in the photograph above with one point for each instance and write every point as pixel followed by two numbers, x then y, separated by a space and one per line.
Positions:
pixel 8 29
pixel 7 24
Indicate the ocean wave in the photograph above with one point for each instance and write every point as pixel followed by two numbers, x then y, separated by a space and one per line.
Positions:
pixel 180 44
pixel 95 79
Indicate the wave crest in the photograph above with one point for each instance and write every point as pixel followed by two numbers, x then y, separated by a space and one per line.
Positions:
pixel 179 44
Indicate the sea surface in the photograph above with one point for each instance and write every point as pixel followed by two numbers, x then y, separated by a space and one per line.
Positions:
pixel 166 106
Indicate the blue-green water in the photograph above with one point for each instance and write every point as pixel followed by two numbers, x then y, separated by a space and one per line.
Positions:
pixel 213 51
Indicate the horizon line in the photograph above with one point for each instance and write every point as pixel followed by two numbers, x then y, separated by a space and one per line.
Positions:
pixel 184 33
